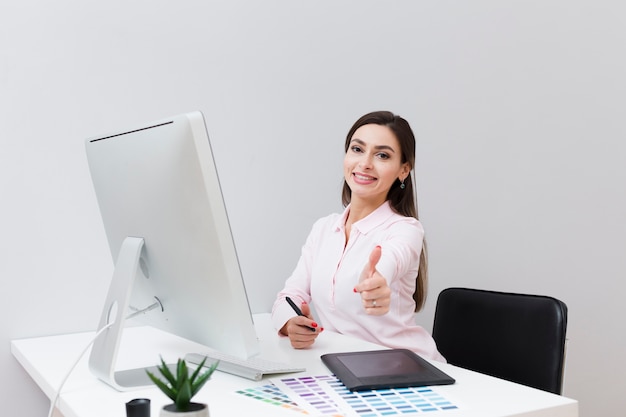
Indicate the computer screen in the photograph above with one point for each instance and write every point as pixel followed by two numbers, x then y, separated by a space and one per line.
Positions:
pixel 176 265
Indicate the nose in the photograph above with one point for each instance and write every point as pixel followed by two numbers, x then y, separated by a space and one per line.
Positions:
pixel 365 161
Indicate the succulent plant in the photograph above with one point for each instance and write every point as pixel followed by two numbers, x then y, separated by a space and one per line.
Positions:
pixel 181 387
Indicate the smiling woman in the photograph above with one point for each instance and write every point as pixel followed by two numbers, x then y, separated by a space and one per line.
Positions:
pixel 374 248
pixel 400 193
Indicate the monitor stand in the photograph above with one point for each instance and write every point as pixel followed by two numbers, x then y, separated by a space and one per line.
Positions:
pixel 105 347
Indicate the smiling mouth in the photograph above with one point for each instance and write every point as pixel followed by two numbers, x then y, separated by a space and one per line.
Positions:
pixel 360 178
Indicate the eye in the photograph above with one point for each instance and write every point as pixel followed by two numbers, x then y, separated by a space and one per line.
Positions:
pixel 383 155
pixel 356 149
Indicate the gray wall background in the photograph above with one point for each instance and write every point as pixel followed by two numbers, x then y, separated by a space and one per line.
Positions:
pixel 518 107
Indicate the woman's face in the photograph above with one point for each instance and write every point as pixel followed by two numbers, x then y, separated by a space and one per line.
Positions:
pixel 373 162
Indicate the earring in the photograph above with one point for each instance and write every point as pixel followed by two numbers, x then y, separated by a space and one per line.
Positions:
pixel 402 186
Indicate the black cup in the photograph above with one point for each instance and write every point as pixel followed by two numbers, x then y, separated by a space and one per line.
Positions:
pixel 139 407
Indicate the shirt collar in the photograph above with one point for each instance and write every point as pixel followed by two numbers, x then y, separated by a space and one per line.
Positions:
pixel 366 224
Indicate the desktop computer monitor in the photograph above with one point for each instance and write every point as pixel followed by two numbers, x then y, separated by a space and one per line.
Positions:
pixel 176 266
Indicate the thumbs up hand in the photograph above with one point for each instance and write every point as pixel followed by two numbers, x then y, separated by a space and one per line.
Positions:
pixel 375 293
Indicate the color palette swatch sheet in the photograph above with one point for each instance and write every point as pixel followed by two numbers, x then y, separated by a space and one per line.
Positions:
pixel 326 396
pixel 270 394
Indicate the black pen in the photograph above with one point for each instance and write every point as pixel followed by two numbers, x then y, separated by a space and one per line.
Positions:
pixel 297 310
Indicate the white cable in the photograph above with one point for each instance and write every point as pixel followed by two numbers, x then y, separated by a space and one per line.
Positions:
pixel 58 392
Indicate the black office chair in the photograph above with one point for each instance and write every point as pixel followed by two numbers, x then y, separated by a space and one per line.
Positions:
pixel 517 337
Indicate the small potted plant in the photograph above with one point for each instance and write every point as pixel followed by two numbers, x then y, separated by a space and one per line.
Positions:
pixel 181 388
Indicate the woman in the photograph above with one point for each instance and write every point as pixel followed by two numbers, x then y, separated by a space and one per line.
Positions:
pixel 365 269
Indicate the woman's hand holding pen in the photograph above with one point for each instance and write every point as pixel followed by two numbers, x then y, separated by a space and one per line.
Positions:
pixel 301 329
pixel 375 293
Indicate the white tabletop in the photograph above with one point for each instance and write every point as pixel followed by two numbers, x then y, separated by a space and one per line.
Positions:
pixel 48 359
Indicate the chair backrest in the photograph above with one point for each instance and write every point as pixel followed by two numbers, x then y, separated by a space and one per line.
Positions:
pixel 517 337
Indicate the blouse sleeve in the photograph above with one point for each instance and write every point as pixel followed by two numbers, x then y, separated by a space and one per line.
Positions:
pixel 401 251
pixel 298 285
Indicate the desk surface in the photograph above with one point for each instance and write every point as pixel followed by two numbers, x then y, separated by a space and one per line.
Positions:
pixel 48 359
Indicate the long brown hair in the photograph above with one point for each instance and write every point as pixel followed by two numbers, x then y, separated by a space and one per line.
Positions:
pixel 402 200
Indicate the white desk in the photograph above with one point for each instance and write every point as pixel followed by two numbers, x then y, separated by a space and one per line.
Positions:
pixel 48 359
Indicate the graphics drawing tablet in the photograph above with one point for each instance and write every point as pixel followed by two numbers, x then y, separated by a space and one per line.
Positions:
pixel 380 369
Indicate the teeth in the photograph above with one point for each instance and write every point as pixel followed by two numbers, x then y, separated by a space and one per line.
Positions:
pixel 363 177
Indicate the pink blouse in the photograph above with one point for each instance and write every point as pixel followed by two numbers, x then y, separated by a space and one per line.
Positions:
pixel 326 274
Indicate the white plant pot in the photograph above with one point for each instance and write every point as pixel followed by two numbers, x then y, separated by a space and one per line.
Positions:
pixel 195 410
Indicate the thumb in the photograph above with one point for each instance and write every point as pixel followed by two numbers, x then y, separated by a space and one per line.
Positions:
pixel 373 260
